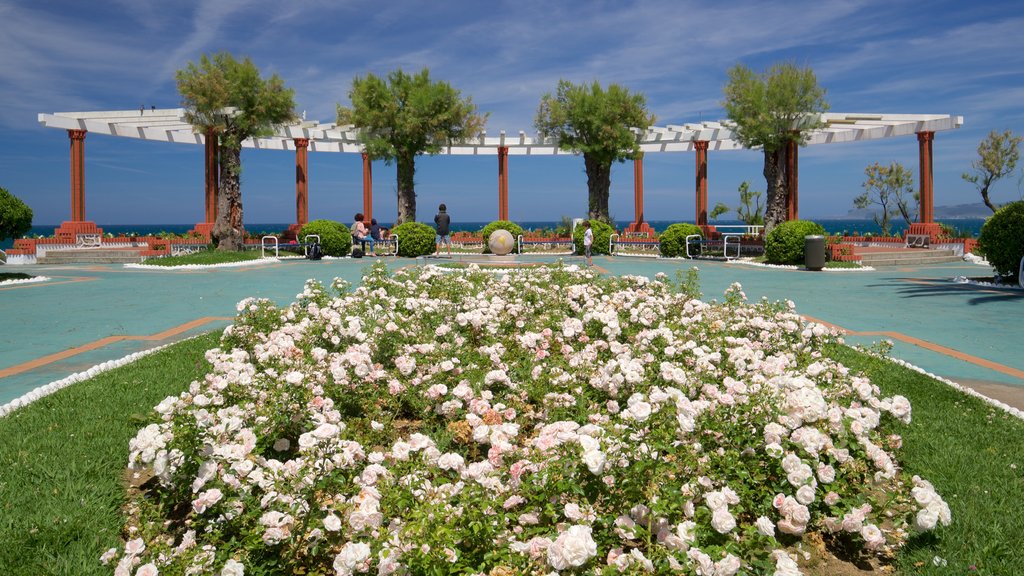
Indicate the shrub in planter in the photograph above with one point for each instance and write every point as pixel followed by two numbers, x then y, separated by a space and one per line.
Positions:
pixel 515 229
pixel 602 232
pixel 335 239
pixel 1002 239
pixel 673 240
pixel 785 243
pixel 415 239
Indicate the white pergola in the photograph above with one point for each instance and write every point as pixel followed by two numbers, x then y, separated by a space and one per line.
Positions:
pixel 169 125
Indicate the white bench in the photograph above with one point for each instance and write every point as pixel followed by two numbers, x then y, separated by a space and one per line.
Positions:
pixel 89 240
pixel 918 240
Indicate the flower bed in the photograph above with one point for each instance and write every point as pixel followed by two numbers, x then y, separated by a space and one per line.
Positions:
pixel 544 420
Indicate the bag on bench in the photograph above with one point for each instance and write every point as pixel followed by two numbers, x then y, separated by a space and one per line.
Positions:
pixel 315 252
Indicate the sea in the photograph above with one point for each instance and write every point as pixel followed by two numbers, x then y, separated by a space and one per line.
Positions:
pixel 969 227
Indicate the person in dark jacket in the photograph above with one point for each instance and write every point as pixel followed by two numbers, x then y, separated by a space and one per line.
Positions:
pixel 442 222
pixel 375 234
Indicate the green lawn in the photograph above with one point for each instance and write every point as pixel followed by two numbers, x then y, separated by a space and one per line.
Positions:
pixel 62 460
pixel 4 276
pixel 205 257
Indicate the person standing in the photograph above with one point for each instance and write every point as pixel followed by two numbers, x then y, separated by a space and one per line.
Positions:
pixel 442 223
pixel 588 241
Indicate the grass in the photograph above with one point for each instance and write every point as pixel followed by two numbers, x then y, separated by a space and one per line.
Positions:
pixel 841 264
pixel 205 257
pixel 974 455
pixel 62 460
pixel 4 276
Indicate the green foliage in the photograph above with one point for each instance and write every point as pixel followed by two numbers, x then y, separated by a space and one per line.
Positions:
pixel 599 124
pixel 766 109
pixel 415 239
pixel 403 116
pixel 785 243
pixel 335 239
pixel 15 216
pixel 515 229
pixel 750 211
pixel 998 155
pixel 892 189
pixel 719 209
pixel 1002 239
pixel 673 239
pixel 564 227
pixel 205 258
pixel 602 234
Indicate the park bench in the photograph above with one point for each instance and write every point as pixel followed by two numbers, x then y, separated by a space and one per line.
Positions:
pixel 918 240
pixel 88 240
pixel 727 247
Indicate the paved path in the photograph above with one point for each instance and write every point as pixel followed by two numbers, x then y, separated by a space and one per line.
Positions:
pixel 89 314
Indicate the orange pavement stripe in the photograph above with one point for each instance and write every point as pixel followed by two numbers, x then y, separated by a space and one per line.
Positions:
pixel 51 358
pixel 930 346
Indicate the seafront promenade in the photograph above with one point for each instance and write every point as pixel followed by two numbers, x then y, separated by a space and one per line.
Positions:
pixel 89 314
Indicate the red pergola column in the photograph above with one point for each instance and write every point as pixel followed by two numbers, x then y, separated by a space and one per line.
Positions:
pixel 367 187
pixel 212 173
pixel 792 180
pixel 638 225
pixel 701 147
pixel 69 230
pixel 926 223
pixel 502 182
pixel 301 181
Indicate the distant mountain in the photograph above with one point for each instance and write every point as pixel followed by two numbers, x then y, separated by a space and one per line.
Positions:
pixel 960 211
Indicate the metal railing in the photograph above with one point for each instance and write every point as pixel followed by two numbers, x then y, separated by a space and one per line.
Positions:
pixel 611 244
pixel 744 229
pixel 700 243
pixel 305 243
pixel 263 246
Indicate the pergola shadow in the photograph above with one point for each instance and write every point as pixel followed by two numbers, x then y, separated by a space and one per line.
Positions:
pixel 921 288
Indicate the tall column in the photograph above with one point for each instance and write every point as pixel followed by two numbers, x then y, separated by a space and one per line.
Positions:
pixel 212 176
pixel 77 138
pixel 367 187
pixel 926 223
pixel 502 182
pixel 792 179
pixel 701 147
pixel 301 182
pixel 638 226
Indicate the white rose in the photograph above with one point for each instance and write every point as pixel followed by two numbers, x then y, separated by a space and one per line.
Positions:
pixel 805 494
pixel 572 548
pixel 332 523
pixel 595 461
pixel 765 526
pixel 352 557
pixel 233 568
pixel 722 521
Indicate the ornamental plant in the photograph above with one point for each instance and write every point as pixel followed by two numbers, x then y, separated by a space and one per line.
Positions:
pixel 335 239
pixel 672 242
pixel 415 239
pixel 1002 239
pixel 528 422
pixel 515 229
pixel 15 216
pixel 602 234
pixel 785 243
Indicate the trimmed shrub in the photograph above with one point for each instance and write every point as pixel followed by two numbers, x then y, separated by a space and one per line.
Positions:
pixel 672 241
pixel 785 243
pixel 15 216
pixel 415 239
pixel 515 229
pixel 602 233
pixel 335 239
pixel 1002 239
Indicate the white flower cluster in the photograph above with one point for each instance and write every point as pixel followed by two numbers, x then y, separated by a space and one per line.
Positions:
pixel 541 421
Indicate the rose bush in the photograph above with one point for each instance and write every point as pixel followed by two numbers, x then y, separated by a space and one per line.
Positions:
pixel 440 421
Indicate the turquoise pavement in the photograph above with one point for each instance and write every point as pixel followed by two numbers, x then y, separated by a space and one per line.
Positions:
pixel 99 312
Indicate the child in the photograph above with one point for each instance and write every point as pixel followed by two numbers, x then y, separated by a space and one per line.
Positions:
pixel 588 241
pixel 375 234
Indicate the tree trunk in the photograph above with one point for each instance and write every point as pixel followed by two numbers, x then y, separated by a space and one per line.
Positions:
pixel 599 182
pixel 775 178
pixel 984 197
pixel 406 164
pixel 227 231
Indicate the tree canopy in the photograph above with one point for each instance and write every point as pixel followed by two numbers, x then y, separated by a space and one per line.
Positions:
pixel 768 111
pixel 402 116
pixel 15 216
pixel 998 155
pixel 228 99
pixel 601 124
pixel 891 188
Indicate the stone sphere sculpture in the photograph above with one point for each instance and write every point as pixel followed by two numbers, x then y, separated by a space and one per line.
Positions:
pixel 501 242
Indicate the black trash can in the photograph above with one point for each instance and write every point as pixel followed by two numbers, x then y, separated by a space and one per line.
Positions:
pixel 814 252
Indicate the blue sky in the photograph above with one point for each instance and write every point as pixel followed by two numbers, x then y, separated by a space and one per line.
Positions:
pixel 962 58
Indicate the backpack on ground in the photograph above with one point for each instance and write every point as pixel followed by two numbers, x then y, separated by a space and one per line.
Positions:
pixel 357 252
pixel 315 252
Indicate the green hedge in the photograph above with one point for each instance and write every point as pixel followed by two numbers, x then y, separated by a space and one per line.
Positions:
pixel 602 233
pixel 785 243
pixel 672 242
pixel 415 239
pixel 515 229
pixel 1002 239
pixel 335 239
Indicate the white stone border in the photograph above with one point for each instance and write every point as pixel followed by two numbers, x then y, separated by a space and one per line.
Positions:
pixel 792 267
pixel 968 281
pixel 203 266
pixel 965 389
pixel 47 389
pixel 31 280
